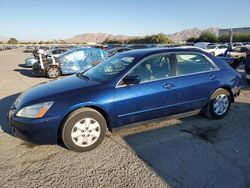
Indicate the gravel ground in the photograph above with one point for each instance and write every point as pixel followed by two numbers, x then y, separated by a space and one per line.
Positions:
pixel 189 152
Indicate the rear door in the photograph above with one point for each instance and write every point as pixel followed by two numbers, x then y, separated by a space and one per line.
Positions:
pixel 197 77
pixel 155 96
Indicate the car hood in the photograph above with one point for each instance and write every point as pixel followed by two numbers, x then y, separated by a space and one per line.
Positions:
pixel 52 90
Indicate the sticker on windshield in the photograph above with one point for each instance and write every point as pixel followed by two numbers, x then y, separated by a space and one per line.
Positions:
pixel 108 69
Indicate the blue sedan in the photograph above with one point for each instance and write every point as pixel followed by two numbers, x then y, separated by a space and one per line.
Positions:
pixel 130 87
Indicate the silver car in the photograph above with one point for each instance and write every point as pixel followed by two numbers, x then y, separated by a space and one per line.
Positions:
pixel 29 62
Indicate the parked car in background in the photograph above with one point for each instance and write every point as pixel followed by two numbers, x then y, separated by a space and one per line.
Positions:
pixel 30 61
pixel 127 88
pixel 233 62
pixel 202 45
pixel 239 52
pixel 247 66
pixel 71 62
pixel 237 44
pixel 41 49
pixel 118 50
pixel 29 49
pixel 56 52
pixel 216 49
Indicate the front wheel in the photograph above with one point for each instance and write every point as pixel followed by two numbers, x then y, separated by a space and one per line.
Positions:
pixel 53 72
pixel 83 130
pixel 219 104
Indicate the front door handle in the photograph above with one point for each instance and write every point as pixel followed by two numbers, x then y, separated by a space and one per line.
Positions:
pixel 168 85
pixel 213 77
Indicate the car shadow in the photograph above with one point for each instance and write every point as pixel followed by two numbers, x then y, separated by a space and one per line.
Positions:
pixel 198 152
pixel 5 104
pixel 25 72
pixel 24 66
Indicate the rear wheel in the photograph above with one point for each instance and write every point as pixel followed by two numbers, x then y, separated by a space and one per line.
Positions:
pixel 219 104
pixel 53 72
pixel 83 130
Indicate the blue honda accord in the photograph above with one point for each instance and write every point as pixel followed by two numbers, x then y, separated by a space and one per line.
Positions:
pixel 130 87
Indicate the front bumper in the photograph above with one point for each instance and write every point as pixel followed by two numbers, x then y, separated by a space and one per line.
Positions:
pixel 37 70
pixel 39 131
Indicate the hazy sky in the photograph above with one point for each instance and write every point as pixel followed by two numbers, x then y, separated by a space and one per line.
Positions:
pixel 54 19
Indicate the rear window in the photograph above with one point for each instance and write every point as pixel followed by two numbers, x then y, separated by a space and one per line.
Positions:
pixel 189 63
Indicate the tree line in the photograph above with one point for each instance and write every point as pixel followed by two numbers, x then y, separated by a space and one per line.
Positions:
pixel 207 36
pixel 15 41
pixel 159 38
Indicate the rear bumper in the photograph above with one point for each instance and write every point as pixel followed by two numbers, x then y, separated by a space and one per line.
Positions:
pixel 39 131
pixel 236 91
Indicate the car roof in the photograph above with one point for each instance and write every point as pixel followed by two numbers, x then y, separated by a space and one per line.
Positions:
pixel 152 51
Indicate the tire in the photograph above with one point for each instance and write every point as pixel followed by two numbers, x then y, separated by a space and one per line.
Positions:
pixel 77 134
pixel 213 53
pixel 53 71
pixel 221 98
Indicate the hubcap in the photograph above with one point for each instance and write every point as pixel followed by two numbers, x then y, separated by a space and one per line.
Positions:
pixel 85 132
pixel 221 104
pixel 53 72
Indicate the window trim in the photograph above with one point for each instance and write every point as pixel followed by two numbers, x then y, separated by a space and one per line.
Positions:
pixel 216 68
pixel 145 59
pixel 174 67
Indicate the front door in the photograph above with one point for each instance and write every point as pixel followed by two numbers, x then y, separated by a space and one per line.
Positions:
pixel 155 96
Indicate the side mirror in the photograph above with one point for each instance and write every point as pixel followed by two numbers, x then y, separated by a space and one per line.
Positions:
pixel 128 80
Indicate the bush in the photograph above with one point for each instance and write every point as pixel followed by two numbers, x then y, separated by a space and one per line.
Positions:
pixel 13 41
pixel 152 39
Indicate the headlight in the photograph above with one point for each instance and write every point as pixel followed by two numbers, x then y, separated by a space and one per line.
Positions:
pixel 35 111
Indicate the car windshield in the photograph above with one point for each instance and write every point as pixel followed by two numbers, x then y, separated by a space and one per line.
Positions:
pixel 109 68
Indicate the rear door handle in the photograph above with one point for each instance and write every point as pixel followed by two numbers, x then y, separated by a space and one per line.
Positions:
pixel 213 77
pixel 168 85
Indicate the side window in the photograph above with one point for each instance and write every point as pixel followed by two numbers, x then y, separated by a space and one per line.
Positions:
pixel 153 68
pixel 88 52
pixel 69 57
pixel 222 47
pixel 79 55
pixel 188 63
pixel 95 53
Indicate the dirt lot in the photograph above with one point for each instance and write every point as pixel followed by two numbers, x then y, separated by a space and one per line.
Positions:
pixel 190 152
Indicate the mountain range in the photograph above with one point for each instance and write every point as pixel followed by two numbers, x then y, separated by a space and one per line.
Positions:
pixel 100 37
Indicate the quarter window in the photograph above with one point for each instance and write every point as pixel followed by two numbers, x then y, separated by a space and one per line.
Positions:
pixel 153 68
pixel 188 63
